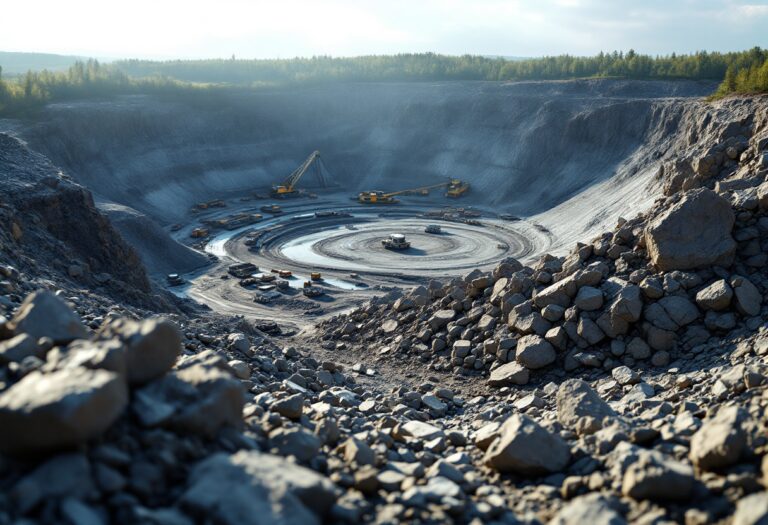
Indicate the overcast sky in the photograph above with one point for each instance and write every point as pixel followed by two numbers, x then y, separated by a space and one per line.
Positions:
pixel 288 28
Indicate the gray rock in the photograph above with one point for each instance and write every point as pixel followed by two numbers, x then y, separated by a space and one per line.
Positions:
pixel 682 311
pixel 561 293
pixel 441 318
pixel 512 373
pixel 717 296
pixel 422 431
pixel 251 488
pixel 589 331
pixel 752 510
pixel 720 441
pixel 625 375
pixel 62 476
pixel 748 297
pixel 19 348
pixel 534 352
pixel 657 477
pixel 290 407
pixel 523 447
pixel 576 399
pixel 151 346
pixel 66 408
pixel 461 348
pixel 358 452
pixel 43 314
pixel 195 399
pixel 592 509
pixel 674 245
pixel 589 299
pixel 295 441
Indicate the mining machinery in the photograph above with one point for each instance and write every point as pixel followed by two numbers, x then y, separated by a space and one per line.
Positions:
pixel 454 188
pixel 396 241
pixel 288 187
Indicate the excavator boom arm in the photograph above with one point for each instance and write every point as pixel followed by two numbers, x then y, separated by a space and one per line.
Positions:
pixel 393 194
pixel 294 177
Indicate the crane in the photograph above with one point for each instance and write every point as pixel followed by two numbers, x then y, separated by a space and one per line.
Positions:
pixel 456 188
pixel 286 189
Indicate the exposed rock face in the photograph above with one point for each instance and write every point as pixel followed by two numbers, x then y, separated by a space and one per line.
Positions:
pixel 673 244
pixel 65 211
pixel 44 412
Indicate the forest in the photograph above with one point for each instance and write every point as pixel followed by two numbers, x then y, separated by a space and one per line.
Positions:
pixel 738 72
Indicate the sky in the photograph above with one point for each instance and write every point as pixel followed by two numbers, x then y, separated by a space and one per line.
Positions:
pixel 163 29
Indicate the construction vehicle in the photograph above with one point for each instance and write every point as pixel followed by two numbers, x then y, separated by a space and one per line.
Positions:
pixel 232 222
pixel 288 187
pixel 265 277
pixel 456 188
pixel 199 233
pixel 312 291
pixel 396 241
pixel 174 279
pixel 218 203
pixel 242 270
pixel 316 276
pixel 433 228
pixel 274 209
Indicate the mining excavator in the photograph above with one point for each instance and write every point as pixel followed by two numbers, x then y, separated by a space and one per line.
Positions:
pixel 288 187
pixel 454 188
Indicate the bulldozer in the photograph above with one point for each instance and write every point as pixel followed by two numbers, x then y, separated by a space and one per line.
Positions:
pixel 288 187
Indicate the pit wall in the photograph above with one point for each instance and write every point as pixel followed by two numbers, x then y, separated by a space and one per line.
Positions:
pixel 574 155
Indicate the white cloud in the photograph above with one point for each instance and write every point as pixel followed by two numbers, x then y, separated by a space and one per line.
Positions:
pixel 285 28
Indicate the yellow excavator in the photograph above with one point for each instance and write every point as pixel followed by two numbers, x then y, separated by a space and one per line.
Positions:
pixel 288 187
pixel 455 188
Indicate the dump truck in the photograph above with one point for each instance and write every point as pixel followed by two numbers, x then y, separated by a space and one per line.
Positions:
pixel 396 241
pixel 433 228
pixel 199 233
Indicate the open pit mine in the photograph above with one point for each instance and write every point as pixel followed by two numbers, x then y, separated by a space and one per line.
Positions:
pixel 459 302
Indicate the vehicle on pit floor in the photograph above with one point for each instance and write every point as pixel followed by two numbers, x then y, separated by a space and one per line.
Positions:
pixel 174 279
pixel 396 241
pixel 242 270
pixel 433 228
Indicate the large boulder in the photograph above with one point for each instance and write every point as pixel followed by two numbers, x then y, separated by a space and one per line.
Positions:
pixel 692 233
pixel 512 373
pixel 45 412
pixel 720 441
pixel 151 346
pixel 251 488
pixel 43 314
pixel 576 399
pixel 535 352
pixel 196 399
pixel 657 477
pixel 523 447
